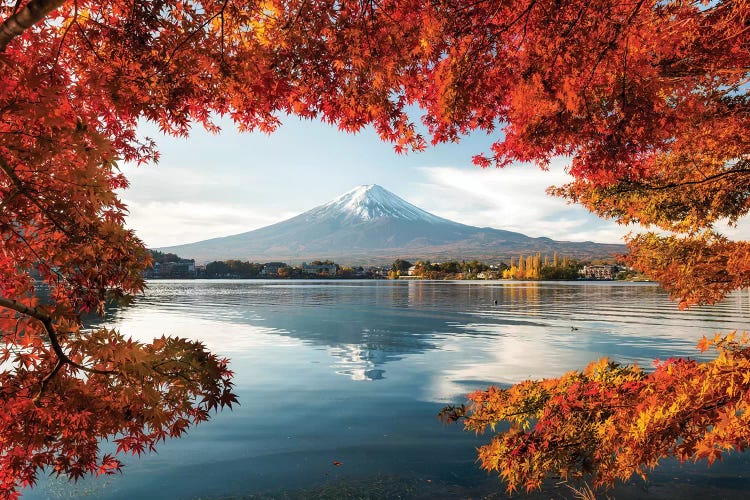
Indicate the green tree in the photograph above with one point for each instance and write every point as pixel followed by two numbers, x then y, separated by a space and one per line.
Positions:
pixel 402 266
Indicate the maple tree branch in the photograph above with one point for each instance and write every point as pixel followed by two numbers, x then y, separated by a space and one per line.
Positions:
pixel 222 36
pixel 171 374
pixel 613 41
pixel 291 22
pixel 27 310
pixel 39 258
pixel 65 35
pixel 196 31
pixel 43 318
pixel 20 21
pixel 46 320
pixel 88 41
pixel 638 186
pixel 47 378
pixel 22 189
pixel 507 27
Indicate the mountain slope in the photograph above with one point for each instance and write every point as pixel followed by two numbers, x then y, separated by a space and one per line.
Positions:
pixel 369 225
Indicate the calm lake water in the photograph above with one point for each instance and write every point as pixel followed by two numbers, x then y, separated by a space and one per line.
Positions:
pixel 356 371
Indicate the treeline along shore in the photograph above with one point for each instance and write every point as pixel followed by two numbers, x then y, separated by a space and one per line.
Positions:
pixel 523 267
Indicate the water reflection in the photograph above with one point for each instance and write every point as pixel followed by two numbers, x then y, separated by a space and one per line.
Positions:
pixel 517 330
pixel 359 363
pixel 355 372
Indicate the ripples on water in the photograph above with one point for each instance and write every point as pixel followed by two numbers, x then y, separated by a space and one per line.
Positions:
pixel 355 372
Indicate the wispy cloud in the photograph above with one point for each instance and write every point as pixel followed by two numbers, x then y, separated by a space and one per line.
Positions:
pixel 514 199
pixel 164 223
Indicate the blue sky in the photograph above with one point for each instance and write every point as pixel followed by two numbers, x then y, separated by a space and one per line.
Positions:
pixel 216 185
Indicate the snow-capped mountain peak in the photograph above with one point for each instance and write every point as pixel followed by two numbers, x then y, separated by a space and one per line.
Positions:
pixel 369 202
pixel 370 224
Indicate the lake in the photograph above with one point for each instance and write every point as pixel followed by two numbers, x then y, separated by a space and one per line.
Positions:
pixel 356 371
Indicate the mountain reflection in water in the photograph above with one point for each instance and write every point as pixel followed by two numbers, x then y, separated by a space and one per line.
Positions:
pixel 355 372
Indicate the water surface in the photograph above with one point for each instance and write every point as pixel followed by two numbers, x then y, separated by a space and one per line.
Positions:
pixel 356 371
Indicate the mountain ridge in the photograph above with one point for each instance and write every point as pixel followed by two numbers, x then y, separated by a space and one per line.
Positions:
pixel 371 225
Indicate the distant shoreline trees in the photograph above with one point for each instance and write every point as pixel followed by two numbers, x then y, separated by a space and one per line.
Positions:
pixel 238 269
pixel 536 267
pixel 524 267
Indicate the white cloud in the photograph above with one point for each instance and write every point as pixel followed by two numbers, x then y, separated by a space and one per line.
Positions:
pixel 515 199
pixel 164 223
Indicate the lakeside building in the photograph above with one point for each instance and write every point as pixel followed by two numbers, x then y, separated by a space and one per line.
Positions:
pixel 599 272
pixel 377 272
pixel 183 269
pixel 321 268
pixel 272 268
pixel 200 271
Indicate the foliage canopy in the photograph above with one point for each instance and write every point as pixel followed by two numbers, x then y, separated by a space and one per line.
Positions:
pixel 648 99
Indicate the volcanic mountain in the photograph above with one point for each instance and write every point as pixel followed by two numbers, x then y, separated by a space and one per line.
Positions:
pixel 371 225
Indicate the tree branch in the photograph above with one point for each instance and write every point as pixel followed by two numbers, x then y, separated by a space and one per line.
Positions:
pixel 18 183
pixel 46 320
pixel 636 186
pixel 196 31
pixel 47 378
pixel 32 13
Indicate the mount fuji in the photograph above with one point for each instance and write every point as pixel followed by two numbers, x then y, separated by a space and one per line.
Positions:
pixel 371 225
